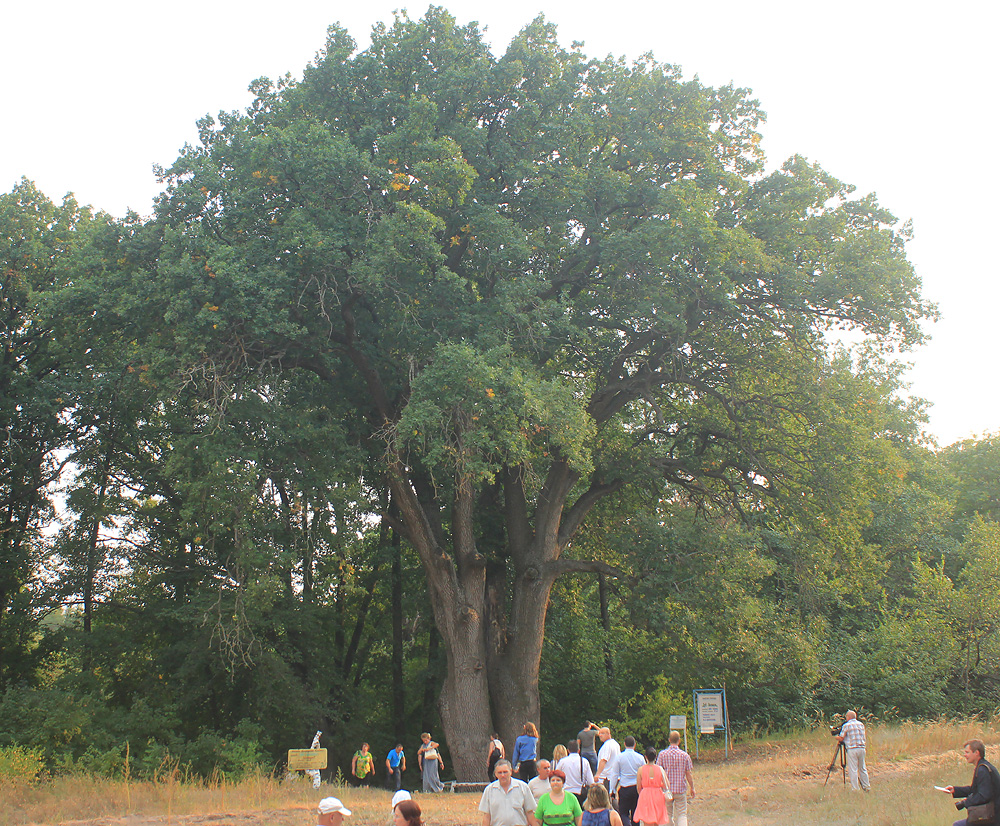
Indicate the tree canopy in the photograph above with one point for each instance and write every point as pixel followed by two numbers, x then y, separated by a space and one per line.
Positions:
pixel 525 283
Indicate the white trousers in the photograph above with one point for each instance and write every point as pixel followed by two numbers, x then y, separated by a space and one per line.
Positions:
pixel 856 768
pixel 678 809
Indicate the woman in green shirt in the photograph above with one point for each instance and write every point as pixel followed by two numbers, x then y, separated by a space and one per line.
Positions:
pixel 363 766
pixel 556 808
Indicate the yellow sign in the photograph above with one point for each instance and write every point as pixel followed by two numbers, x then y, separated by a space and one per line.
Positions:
pixel 304 759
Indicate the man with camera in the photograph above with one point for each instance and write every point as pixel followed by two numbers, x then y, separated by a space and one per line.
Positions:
pixel 979 799
pixel 852 735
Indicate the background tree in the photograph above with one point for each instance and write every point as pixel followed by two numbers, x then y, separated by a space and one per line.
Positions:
pixel 41 251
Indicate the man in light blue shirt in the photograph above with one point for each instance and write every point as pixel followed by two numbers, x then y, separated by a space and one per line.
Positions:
pixel 622 773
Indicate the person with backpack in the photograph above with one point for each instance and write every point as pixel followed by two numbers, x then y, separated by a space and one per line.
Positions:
pixel 979 799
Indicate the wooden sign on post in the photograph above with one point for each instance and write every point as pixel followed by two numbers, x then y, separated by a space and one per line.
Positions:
pixel 306 759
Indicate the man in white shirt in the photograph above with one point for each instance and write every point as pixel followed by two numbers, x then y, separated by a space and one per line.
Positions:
pixel 507 801
pixel 539 784
pixel 609 751
pixel 577 770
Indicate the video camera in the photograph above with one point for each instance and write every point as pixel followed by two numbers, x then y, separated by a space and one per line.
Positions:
pixel 835 730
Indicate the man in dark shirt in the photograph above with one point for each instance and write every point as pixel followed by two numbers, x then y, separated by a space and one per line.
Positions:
pixel 585 738
pixel 985 781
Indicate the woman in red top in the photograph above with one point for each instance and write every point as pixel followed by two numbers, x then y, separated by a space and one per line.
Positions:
pixel 651 810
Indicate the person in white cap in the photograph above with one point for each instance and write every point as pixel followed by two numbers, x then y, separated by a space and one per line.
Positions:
pixel 399 797
pixel 331 812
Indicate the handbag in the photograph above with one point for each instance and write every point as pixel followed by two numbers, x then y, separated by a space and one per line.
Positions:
pixel 584 787
pixel 981 815
pixel 668 796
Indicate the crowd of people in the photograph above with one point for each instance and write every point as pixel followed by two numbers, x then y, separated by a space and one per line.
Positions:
pixel 583 785
pixel 587 785
pixel 429 761
pixel 589 775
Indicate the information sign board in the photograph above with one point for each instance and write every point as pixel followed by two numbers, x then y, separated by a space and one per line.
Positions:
pixel 710 711
pixel 306 759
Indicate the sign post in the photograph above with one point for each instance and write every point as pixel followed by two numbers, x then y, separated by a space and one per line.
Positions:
pixel 679 722
pixel 711 713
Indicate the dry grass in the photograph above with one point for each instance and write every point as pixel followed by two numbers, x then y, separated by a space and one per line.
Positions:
pixel 767 782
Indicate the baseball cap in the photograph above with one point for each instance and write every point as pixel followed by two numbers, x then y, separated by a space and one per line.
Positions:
pixel 332 804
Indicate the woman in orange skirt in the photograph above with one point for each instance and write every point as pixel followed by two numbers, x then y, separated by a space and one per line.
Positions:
pixel 651 810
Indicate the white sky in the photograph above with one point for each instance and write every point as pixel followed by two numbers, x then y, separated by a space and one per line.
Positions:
pixel 899 98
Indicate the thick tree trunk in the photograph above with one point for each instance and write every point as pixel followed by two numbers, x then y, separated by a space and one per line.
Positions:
pixel 516 654
pixel 464 701
pixel 457 590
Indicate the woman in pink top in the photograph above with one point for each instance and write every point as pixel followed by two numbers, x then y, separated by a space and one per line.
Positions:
pixel 651 810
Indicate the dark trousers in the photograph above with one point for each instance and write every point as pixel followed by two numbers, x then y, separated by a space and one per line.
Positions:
pixel 628 797
pixel 394 781
pixel 526 770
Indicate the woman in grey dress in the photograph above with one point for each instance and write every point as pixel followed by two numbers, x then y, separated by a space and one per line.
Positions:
pixel 430 761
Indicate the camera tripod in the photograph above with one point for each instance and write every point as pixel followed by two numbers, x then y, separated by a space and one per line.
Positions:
pixel 842 753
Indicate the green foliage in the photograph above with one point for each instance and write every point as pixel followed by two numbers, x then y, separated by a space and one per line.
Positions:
pixel 975 464
pixel 19 765
pixel 480 412
pixel 646 716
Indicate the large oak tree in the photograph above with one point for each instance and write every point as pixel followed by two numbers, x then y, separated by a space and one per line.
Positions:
pixel 530 282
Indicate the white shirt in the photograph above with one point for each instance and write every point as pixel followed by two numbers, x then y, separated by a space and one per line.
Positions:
pixel 538 787
pixel 507 808
pixel 578 772
pixel 609 752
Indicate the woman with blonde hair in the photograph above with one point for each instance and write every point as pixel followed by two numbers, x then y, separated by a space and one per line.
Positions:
pixel 558 753
pixel 430 760
pixel 597 810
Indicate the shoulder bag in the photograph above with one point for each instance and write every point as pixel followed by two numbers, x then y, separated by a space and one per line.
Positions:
pixel 668 795
pixel 984 814
pixel 981 815
pixel 584 787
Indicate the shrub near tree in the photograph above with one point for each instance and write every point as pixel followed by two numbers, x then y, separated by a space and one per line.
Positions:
pixel 529 283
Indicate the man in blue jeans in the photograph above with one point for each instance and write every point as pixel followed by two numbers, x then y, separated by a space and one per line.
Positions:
pixel 395 762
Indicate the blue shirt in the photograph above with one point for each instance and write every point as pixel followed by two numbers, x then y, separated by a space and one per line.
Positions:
pixel 625 768
pixel 525 748
pixel 394 757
